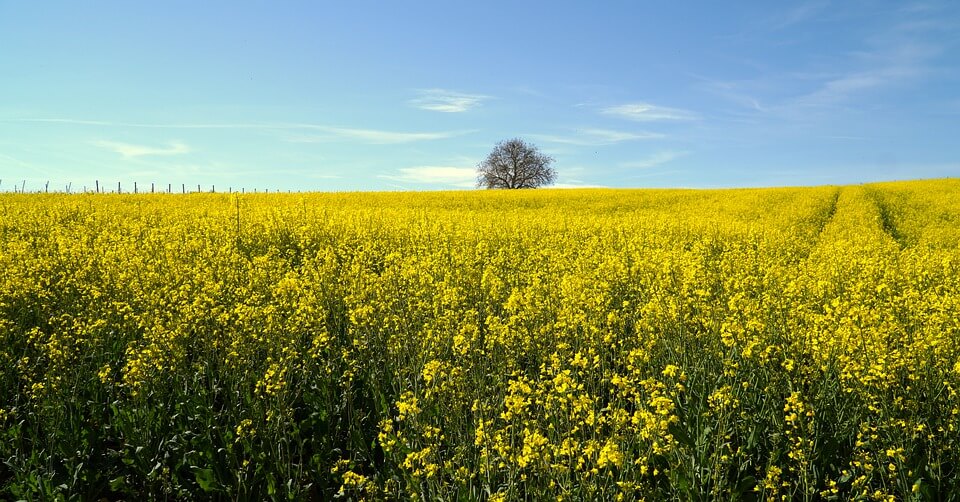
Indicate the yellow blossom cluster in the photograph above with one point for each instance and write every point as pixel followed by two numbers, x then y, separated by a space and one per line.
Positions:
pixel 776 344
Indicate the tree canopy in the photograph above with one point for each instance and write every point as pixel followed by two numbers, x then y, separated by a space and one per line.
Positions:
pixel 515 163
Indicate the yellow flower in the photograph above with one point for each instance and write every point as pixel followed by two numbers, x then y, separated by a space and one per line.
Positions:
pixel 610 455
pixel 104 373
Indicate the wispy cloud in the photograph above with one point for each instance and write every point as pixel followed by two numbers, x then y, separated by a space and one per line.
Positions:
pixel 464 177
pixel 654 160
pixel 7 159
pixel 921 7
pixel 801 13
pixel 896 57
pixel 63 121
pixel 574 177
pixel 129 151
pixel 596 137
pixel 657 174
pixel 442 100
pixel 746 95
pixel 139 125
pixel 646 112
pixel 373 136
pixel 576 184
pixel 881 68
pixel 331 133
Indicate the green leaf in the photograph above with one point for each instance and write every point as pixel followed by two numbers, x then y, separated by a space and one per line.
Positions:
pixel 681 435
pixel 205 479
pixel 746 484
pixel 682 481
pixel 271 485
pixel 117 483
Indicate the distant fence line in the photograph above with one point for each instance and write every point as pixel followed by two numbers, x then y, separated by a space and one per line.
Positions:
pixel 97 187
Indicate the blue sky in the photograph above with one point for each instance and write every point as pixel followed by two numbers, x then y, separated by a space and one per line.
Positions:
pixel 372 95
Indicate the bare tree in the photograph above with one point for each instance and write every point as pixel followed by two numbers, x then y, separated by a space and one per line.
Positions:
pixel 515 164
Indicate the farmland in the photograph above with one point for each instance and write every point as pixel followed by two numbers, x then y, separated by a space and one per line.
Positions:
pixel 798 343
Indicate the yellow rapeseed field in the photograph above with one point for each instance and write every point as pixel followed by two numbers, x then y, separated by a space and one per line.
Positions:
pixel 751 344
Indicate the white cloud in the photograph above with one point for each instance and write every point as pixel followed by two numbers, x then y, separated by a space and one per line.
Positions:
pixel 378 136
pixel 801 13
pixel 646 112
pixel 596 137
pixel 575 184
pixel 440 175
pixel 9 159
pixel 883 68
pixel 140 125
pixel 64 121
pixel 659 174
pixel 654 160
pixel 129 151
pixel 441 100
pixel 374 136
pixel 895 59
pixel 609 136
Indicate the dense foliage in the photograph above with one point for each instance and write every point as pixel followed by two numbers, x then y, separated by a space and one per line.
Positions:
pixel 515 164
pixel 606 344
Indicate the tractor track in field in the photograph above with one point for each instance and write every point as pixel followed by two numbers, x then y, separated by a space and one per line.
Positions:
pixel 828 217
pixel 821 225
pixel 886 217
